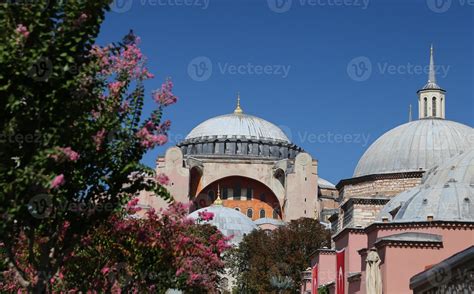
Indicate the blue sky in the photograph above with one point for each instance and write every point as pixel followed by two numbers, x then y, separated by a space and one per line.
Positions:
pixel 334 74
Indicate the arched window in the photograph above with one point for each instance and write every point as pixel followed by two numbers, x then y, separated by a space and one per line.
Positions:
pixel 425 113
pixel 211 194
pixel 262 213
pixel 250 212
pixel 441 107
pixel 275 214
pixel 239 147
pixel 238 209
pixel 434 106
pixel 225 193
pixel 249 193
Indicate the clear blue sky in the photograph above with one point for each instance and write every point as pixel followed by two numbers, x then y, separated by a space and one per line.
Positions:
pixel 315 42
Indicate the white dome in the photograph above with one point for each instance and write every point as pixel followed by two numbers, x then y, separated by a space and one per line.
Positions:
pixel 415 146
pixel 446 193
pixel 229 221
pixel 238 125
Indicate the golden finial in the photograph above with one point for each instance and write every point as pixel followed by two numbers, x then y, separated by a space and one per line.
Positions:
pixel 218 201
pixel 238 110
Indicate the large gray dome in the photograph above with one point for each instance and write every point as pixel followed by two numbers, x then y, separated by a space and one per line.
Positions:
pixel 415 146
pixel 446 193
pixel 240 126
pixel 229 221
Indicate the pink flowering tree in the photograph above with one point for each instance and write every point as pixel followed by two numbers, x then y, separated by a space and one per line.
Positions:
pixel 72 133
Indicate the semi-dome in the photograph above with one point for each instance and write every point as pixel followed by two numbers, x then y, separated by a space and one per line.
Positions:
pixel 446 193
pixel 229 221
pixel 415 146
pixel 239 126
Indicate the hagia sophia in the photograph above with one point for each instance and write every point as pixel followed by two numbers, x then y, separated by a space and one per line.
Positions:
pixel 404 223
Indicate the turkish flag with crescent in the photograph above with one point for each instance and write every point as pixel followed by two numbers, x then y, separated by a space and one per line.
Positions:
pixel 340 272
pixel 314 280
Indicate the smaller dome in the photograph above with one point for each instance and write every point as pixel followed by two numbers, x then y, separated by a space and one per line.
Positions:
pixel 446 193
pixel 229 221
pixel 415 146
pixel 271 221
pixel 239 126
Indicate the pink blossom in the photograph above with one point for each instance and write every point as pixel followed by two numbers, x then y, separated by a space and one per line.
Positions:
pixel 115 88
pixel 163 179
pixel 165 96
pixel 22 30
pixel 206 215
pixel 105 270
pixel 57 181
pixel 99 139
pixel 66 152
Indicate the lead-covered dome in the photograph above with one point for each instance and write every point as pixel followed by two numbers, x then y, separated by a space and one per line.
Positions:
pixel 415 146
pixel 239 126
pixel 229 221
pixel 446 194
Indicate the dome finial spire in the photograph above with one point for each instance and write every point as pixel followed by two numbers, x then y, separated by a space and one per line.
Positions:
pixel 432 75
pixel 218 201
pixel 238 110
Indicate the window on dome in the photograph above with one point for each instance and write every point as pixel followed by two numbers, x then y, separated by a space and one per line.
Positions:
pixel 239 147
pixel 238 209
pixel 250 212
pixel 249 148
pixel 262 197
pixel 211 195
pixel 249 193
pixel 434 106
pixel 237 191
pixel 262 213
pixel 275 214
pixel 225 193
pixel 425 113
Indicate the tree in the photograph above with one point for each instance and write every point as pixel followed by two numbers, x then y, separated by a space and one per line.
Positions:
pixel 268 261
pixel 127 254
pixel 72 134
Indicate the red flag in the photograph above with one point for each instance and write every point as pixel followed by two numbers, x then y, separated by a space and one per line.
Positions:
pixel 340 272
pixel 314 280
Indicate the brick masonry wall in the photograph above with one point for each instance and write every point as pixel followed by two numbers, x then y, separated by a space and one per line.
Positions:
pixel 385 187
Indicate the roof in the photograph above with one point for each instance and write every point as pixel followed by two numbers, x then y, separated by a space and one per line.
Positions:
pixel 238 125
pixel 325 184
pixel 229 221
pixel 446 194
pixel 266 220
pixel 415 146
pixel 411 237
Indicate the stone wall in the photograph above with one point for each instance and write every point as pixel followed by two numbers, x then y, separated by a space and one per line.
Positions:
pixel 385 187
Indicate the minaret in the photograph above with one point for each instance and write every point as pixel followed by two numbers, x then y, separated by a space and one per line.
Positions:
pixel 431 98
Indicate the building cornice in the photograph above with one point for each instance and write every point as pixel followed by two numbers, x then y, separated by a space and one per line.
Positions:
pixel 375 177
pixel 425 224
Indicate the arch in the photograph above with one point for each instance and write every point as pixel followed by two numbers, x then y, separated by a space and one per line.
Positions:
pixel 262 213
pixel 433 106
pixel 250 213
pixel 250 195
pixel 425 108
